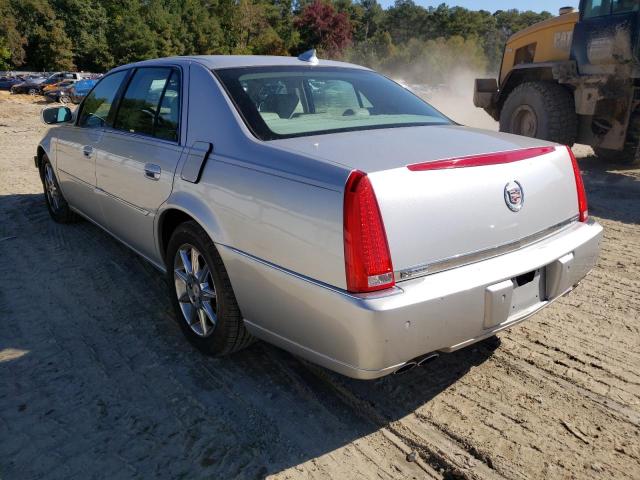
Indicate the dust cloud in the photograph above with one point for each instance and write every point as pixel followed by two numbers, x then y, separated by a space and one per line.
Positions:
pixel 454 99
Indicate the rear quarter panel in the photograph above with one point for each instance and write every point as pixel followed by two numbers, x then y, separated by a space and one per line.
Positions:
pixel 278 206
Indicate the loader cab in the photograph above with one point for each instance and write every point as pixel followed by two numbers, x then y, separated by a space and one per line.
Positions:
pixel 606 36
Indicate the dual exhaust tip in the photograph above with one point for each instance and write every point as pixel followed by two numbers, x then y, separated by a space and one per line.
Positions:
pixel 419 362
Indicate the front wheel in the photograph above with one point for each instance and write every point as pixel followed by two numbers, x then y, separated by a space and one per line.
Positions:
pixel 56 204
pixel 202 296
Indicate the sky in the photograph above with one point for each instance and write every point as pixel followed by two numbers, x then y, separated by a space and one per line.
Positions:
pixel 493 5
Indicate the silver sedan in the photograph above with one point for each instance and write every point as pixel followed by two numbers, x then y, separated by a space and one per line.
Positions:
pixel 319 206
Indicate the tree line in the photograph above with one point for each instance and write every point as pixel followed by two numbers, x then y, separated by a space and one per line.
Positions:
pixel 96 35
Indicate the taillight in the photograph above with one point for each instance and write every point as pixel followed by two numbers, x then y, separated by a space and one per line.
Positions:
pixel 482 160
pixel 366 251
pixel 582 194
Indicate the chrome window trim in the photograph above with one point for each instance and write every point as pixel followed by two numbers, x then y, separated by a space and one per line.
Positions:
pixel 425 269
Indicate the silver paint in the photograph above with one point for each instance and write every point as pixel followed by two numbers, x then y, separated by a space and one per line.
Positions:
pixel 274 211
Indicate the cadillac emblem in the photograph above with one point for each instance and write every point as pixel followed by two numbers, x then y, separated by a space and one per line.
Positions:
pixel 513 196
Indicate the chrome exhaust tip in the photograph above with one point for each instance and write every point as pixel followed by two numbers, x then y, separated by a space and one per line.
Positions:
pixel 426 359
pixel 405 368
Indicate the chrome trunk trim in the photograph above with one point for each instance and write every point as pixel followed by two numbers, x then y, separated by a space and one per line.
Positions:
pixel 425 269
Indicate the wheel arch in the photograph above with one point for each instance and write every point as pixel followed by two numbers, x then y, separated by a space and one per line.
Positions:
pixel 40 153
pixel 523 74
pixel 180 208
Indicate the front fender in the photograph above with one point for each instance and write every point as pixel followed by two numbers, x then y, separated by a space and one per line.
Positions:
pixel 46 147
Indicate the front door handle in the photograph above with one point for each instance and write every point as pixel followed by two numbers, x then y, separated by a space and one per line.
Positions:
pixel 87 150
pixel 152 171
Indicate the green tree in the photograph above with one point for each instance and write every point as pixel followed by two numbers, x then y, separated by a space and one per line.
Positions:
pixel 11 39
pixel 47 44
pixel 86 24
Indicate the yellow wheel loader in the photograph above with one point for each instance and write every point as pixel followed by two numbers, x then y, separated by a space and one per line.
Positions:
pixel 574 78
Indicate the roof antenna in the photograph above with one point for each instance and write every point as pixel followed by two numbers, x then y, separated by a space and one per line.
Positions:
pixel 309 56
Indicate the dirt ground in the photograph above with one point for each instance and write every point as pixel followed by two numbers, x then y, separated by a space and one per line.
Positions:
pixel 96 380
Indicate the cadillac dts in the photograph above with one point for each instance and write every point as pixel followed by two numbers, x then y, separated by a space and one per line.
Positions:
pixel 319 206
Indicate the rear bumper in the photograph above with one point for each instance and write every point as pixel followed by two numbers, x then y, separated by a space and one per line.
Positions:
pixel 369 336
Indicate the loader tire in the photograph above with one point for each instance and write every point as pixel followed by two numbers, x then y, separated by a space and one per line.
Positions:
pixel 543 110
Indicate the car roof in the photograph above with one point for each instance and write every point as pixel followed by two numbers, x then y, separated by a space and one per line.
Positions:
pixel 235 61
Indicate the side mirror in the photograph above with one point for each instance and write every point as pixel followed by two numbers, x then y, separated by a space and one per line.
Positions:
pixel 54 115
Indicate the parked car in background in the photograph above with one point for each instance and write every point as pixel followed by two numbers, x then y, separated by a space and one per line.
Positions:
pixel 7 82
pixel 57 86
pixel 30 85
pixel 319 206
pixel 59 94
pixel 56 78
pixel 80 89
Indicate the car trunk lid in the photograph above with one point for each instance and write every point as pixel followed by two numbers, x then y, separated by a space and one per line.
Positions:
pixel 437 218
pixel 441 217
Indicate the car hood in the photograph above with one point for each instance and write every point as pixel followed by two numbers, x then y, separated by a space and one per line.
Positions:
pixel 383 149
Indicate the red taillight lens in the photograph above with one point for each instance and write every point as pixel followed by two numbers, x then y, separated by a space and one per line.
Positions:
pixel 366 251
pixel 582 194
pixel 482 160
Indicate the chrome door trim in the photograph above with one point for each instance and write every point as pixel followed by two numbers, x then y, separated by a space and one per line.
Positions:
pixel 100 191
pixel 422 270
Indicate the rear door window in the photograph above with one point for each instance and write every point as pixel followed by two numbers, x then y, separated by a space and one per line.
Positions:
pixel 96 107
pixel 151 104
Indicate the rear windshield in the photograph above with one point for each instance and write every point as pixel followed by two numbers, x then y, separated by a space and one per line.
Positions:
pixel 283 102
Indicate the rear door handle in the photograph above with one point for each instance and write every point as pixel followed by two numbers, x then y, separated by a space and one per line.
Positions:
pixel 152 171
pixel 87 150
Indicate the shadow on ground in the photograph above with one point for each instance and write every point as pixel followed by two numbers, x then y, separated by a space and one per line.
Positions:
pixel 611 193
pixel 97 380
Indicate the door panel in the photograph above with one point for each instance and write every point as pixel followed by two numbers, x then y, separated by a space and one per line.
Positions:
pixel 137 159
pixel 78 144
pixel 76 168
pixel 129 197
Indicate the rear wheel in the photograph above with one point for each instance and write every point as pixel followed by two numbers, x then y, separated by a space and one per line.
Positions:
pixel 203 299
pixel 542 110
pixel 33 92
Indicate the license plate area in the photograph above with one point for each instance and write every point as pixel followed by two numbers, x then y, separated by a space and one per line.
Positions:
pixel 508 300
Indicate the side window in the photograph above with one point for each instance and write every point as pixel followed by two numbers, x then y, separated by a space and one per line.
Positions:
pixel 169 112
pixel 96 106
pixel 151 104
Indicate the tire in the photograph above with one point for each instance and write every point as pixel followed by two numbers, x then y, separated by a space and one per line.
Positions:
pixel 543 110
pixel 56 204
pixel 228 334
pixel 630 154
pixel 33 92
pixel 64 99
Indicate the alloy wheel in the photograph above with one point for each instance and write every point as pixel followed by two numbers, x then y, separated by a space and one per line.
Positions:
pixel 195 290
pixel 51 188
